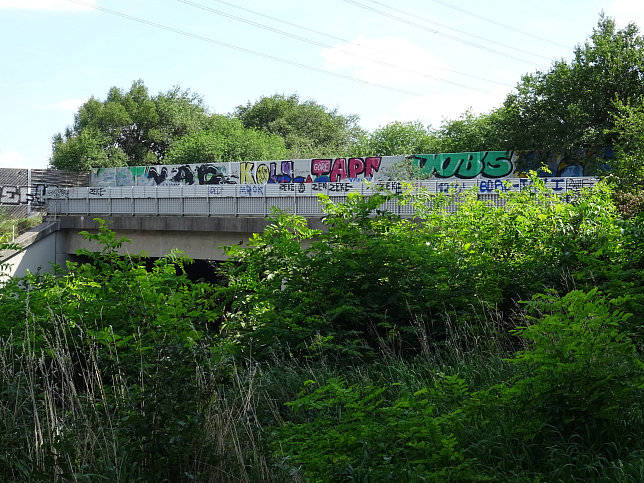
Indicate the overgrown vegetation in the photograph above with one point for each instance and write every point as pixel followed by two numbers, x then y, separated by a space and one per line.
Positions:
pixel 478 344
pixel 10 227
pixel 471 343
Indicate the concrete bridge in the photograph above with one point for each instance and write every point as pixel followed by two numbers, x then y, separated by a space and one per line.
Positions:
pixel 200 219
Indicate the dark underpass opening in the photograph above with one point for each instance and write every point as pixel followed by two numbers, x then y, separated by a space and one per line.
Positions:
pixel 197 270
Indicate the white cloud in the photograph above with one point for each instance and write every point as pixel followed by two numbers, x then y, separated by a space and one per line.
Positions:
pixel 13 159
pixel 625 11
pixel 68 105
pixel 385 60
pixel 49 5
pixel 10 159
pixel 434 108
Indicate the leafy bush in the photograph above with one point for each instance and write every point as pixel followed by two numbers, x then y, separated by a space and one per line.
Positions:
pixel 581 372
pixel 111 361
pixel 353 433
pixel 372 281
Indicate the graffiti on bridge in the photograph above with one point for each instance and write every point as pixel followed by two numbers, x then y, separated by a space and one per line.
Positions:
pixel 318 170
pixel 321 170
pixel 489 164
pixel 23 195
pixel 452 167
pixel 206 174
pixel 160 175
pixel 576 162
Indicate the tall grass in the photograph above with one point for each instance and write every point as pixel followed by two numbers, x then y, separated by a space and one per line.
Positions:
pixel 118 371
pixel 65 416
pixel 11 228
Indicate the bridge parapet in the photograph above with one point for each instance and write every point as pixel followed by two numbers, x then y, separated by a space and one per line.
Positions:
pixel 258 199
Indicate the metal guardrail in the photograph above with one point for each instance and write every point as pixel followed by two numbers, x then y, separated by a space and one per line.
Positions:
pixel 258 199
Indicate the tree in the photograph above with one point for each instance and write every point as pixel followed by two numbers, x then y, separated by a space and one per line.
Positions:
pixel 397 138
pixel 573 104
pixel 472 132
pixel 128 128
pixel 224 140
pixel 308 128
pixel 627 165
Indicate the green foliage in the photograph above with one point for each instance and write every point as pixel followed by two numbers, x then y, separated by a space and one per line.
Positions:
pixel 355 434
pixel 627 167
pixel 372 281
pixel 123 369
pixel 128 128
pixel 226 140
pixel 574 103
pixel 129 342
pixel 17 226
pixel 580 373
pixel 308 128
pixel 485 132
pixel 397 138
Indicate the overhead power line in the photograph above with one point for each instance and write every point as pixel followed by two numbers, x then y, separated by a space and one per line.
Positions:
pixel 245 50
pixel 340 39
pixel 437 32
pixel 469 34
pixel 499 24
pixel 256 53
pixel 346 51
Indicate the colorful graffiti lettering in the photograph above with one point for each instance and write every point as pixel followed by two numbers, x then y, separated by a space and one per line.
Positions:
pixel 577 162
pixel 493 165
pixel 268 173
pixel 489 164
pixel 325 170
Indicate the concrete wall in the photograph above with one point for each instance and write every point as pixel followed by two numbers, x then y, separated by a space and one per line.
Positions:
pixel 198 237
pixel 40 249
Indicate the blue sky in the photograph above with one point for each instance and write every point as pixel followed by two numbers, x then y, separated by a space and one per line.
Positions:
pixel 383 60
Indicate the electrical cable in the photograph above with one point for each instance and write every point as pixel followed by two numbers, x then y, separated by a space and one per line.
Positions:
pixel 261 54
pixel 320 44
pixel 245 50
pixel 425 19
pixel 499 24
pixel 437 32
pixel 340 39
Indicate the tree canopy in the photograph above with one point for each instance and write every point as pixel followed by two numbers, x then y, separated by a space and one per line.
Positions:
pixel 574 103
pixel 397 138
pixel 595 100
pixel 308 128
pixel 226 139
pixel 128 128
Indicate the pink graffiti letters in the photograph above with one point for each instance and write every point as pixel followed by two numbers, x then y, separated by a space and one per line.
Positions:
pixel 325 170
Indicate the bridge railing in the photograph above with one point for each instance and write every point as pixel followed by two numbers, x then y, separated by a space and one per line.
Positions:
pixel 257 200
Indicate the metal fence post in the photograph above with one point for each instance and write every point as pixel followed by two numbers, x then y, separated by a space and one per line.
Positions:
pixel 28 192
pixel 236 200
pixel 208 200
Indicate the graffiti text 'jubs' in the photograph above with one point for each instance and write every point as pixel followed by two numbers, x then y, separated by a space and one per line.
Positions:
pixel 489 164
